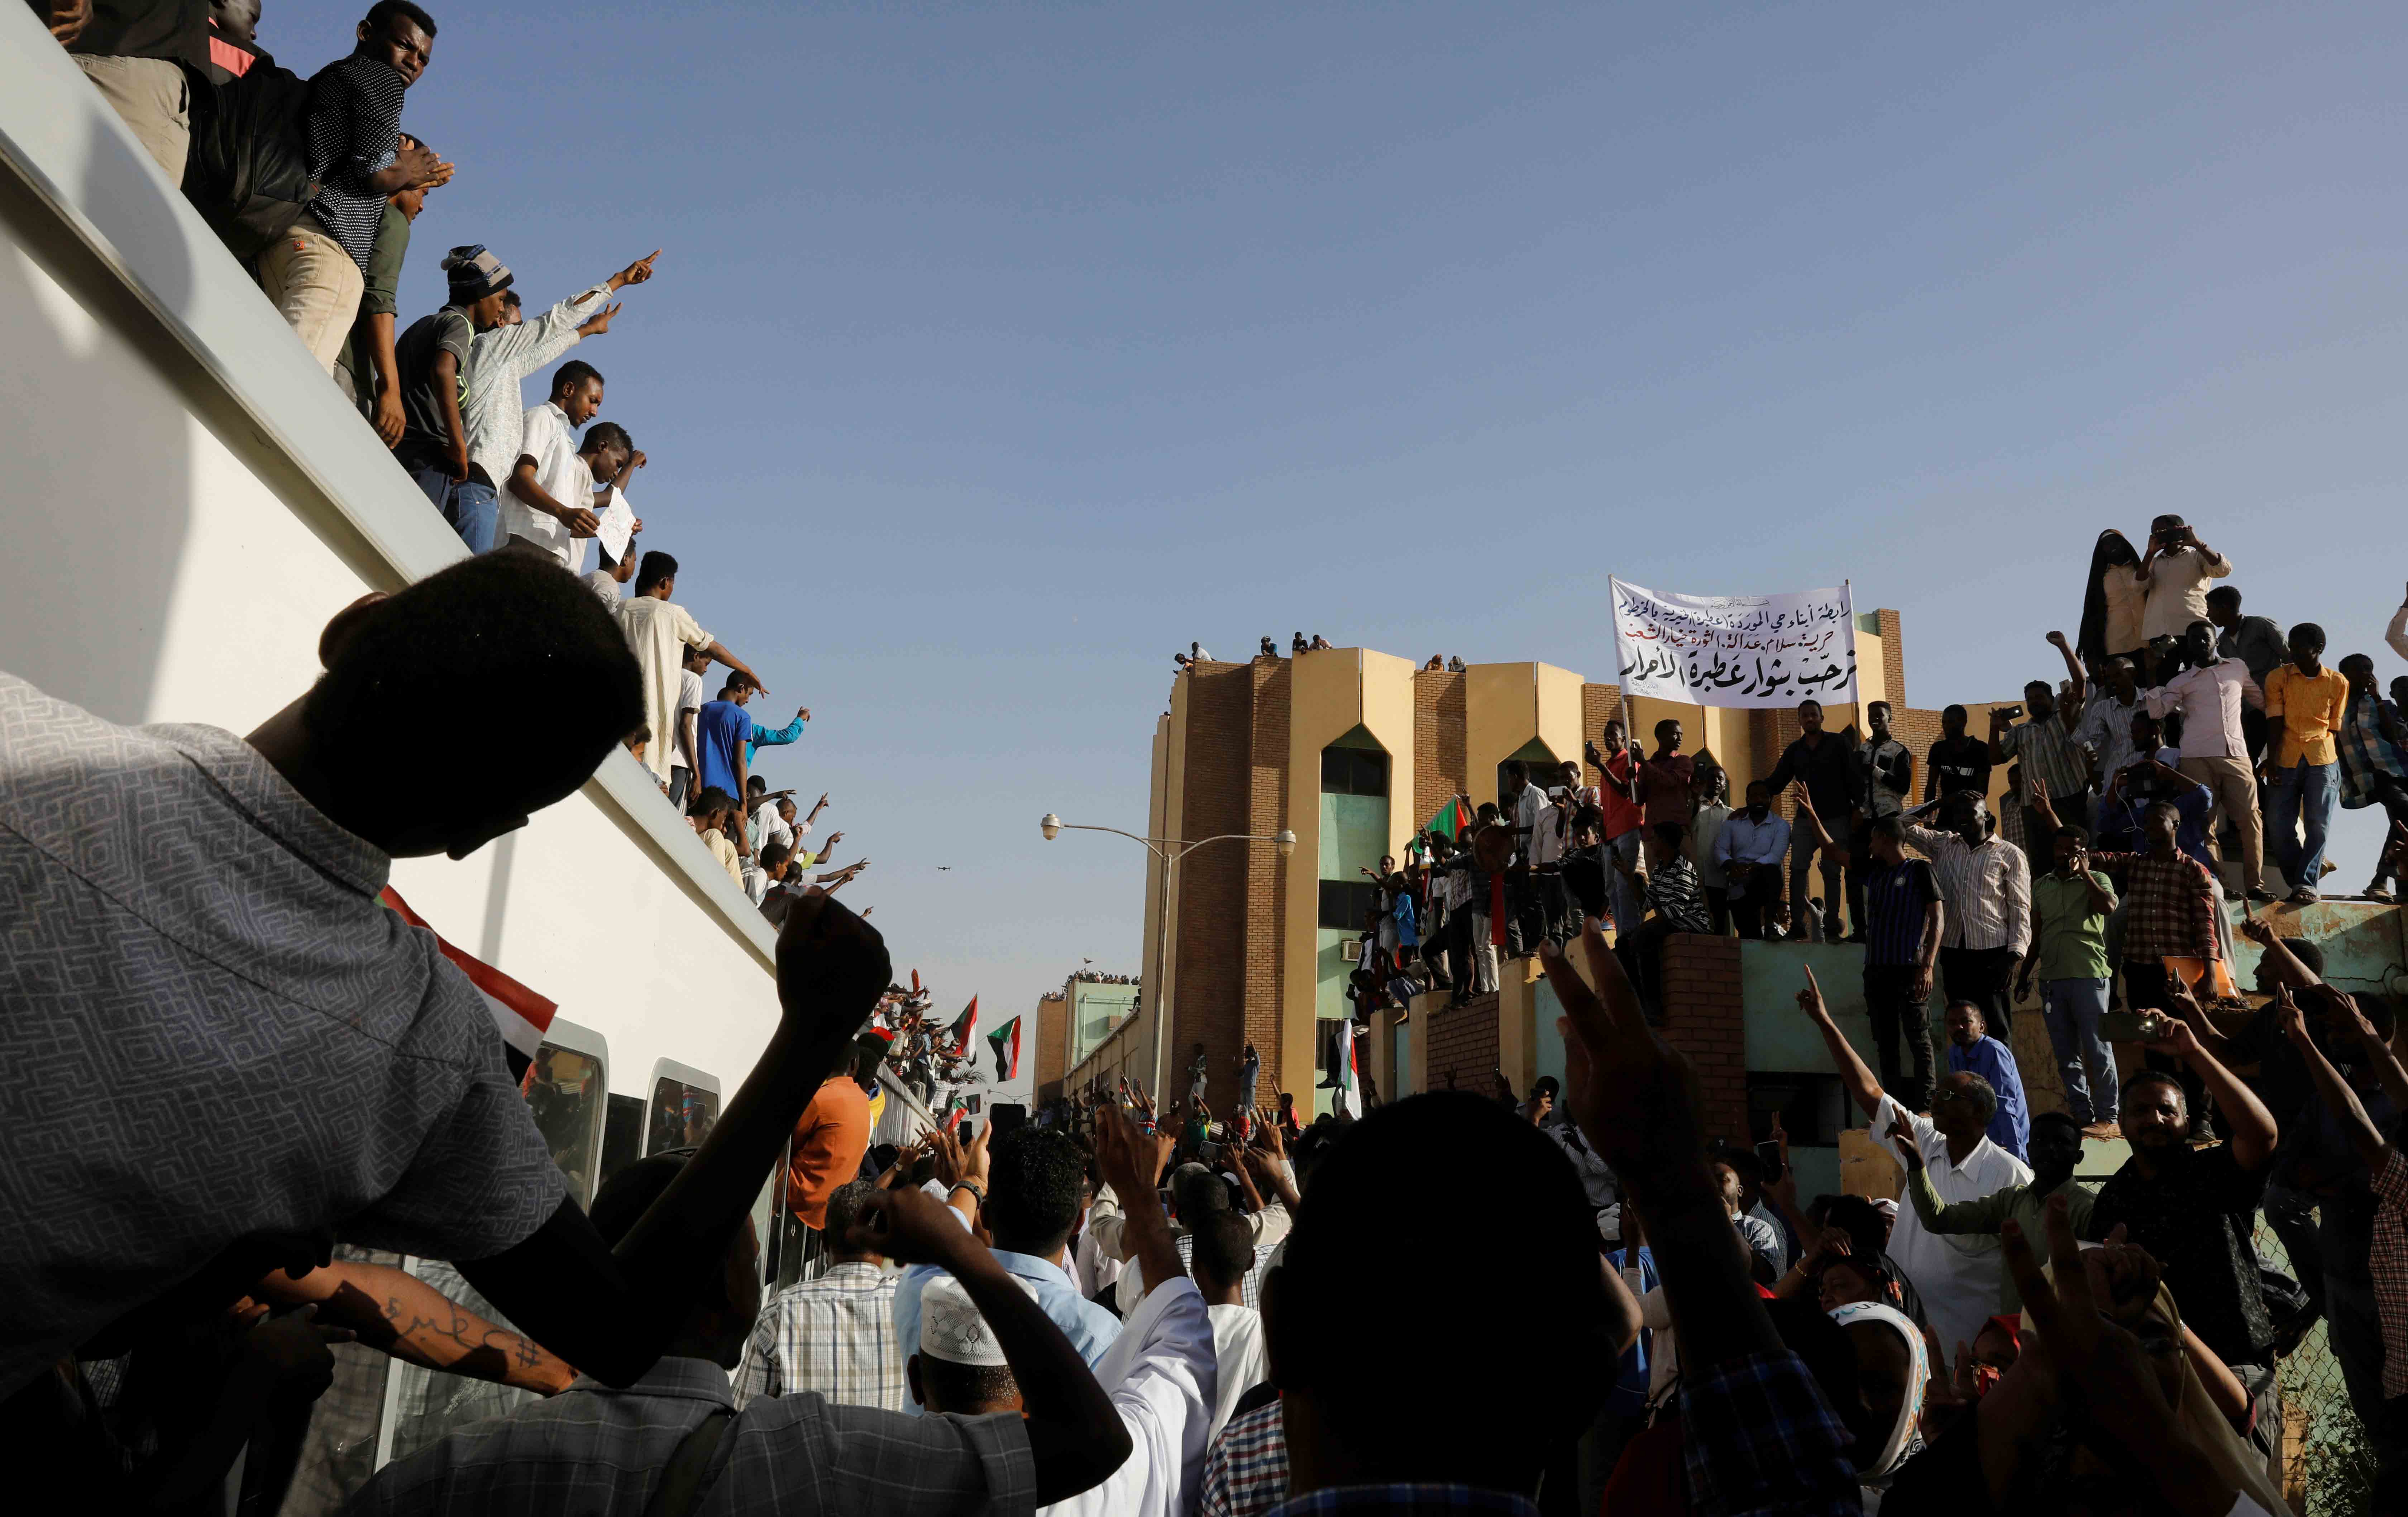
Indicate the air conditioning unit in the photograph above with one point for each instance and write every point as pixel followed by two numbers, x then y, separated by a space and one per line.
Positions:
pixel 1351 951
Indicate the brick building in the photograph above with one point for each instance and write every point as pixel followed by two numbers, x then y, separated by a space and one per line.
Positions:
pixel 1353 751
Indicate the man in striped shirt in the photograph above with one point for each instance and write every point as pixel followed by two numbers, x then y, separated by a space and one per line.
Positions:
pixel 2045 745
pixel 316 272
pixel 1905 918
pixel 1985 885
pixel 834 1335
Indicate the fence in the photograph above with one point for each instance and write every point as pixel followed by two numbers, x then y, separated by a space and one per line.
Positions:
pixel 2327 1465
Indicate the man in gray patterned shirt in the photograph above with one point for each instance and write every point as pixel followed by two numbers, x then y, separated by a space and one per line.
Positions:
pixel 239 1040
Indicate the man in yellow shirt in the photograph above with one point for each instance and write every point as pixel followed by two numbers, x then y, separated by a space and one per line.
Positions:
pixel 2304 702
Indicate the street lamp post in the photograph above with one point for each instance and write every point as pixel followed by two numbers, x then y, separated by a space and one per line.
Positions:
pixel 1168 851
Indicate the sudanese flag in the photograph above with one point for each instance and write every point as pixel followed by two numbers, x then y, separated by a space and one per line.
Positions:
pixel 962 1027
pixel 1452 820
pixel 1005 1040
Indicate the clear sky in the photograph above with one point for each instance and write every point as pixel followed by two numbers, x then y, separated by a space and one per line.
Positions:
pixel 996 351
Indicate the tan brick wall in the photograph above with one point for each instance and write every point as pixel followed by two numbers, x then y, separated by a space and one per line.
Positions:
pixel 1212 916
pixel 1600 705
pixel 1052 1043
pixel 1462 1046
pixel 1438 741
pixel 1893 657
pixel 1257 1018
pixel 1701 977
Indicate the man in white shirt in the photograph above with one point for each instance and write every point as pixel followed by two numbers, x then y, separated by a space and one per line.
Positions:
pixel 1160 1372
pixel 503 355
pixel 550 497
pixel 2174 575
pixel 609 581
pixel 1957 1274
pixel 659 631
pixel 1223 1253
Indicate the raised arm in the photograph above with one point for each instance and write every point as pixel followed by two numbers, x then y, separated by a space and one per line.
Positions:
pixel 719 651
pixel 1807 817
pixel 2080 683
pixel 1075 1435
pixel 2386 1063
pixel 611 1312
pixel 1633 1098
pixel 1859 1081
pixel 2339 1099
pixel 2252 1125
pixel 2285 964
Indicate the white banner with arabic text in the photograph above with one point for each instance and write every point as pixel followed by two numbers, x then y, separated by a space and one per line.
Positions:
pixel 1736 649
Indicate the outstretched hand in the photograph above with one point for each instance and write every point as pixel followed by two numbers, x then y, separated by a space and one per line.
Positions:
pixel 908 1225
pixel 2098 1357
pixel 1634 1097
pixel 832 967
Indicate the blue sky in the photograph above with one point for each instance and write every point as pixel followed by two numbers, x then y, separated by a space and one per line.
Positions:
pixel 996 352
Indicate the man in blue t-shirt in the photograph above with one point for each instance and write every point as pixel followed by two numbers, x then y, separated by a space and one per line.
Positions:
pixel 719 731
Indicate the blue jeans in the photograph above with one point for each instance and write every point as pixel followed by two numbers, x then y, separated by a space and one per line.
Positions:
pixel 2072 1009
pixel 471 505
pixel 2302 798
pixel 475 512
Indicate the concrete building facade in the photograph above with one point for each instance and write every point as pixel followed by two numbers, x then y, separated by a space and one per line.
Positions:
pixel 1354 751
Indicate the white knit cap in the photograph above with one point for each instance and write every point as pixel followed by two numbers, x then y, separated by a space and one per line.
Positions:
pixel 950 1327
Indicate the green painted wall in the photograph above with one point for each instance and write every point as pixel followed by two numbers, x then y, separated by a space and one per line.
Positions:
pixel 1330 972
pixel 1093 1011
pixel 1353 834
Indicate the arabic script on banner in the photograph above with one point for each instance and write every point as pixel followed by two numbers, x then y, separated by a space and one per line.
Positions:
pixel 1737 650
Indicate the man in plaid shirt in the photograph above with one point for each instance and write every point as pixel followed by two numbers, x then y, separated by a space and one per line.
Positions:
pixel 2170 911
pixel 834 1335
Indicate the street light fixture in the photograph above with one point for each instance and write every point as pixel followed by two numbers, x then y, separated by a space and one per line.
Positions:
pixel 1168 852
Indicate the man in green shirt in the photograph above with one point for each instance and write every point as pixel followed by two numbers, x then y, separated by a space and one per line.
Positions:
pixel 2056 1148
pixel 2070 906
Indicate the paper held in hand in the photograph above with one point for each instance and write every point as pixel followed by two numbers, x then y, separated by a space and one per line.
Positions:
pixel 618 525
pixel 1736 649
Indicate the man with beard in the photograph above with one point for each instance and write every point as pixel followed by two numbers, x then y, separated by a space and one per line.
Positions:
pixel 2193 1209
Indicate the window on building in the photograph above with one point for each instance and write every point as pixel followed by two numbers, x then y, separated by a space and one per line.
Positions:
pixel 1812 1108
pixel 1344 902
pixel 1353 771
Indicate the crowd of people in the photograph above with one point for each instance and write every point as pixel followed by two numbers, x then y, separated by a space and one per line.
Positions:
pixel 444 392
pixel 1116 1310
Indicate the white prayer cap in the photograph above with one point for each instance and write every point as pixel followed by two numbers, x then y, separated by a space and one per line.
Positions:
pixel 950 1327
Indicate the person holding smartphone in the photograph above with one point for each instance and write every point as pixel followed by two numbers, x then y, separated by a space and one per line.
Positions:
pixel 2070 908
pixel 2173 576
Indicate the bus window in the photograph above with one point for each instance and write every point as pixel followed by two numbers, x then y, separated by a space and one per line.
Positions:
pixel 681 1115
pixel 622 1137
pixel 565 1088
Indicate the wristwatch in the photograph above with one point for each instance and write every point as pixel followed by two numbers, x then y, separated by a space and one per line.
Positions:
pixel 970 1185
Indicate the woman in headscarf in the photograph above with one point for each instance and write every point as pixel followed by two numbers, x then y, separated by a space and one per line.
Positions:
pixel 2111 604
pixel 1892 1373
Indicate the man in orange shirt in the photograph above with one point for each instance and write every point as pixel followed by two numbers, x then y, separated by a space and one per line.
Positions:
pixel 829 1140
pixel 2301 771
